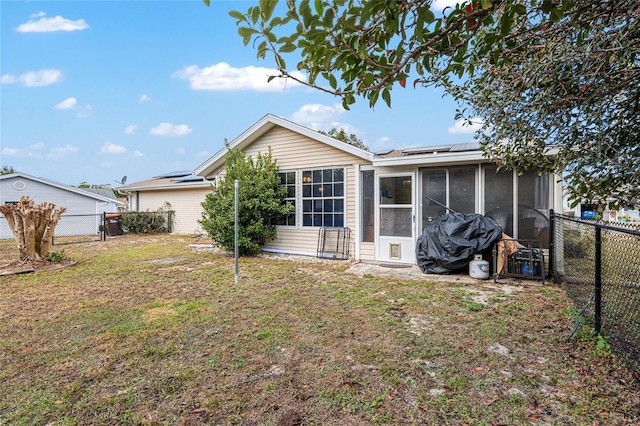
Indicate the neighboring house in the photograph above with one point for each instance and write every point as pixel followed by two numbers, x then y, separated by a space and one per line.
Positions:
pixel 83 206
pixel 182 190
pixel 334 184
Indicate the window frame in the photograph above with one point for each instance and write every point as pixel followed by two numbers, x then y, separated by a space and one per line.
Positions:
pixel 315 187
pixel 293 200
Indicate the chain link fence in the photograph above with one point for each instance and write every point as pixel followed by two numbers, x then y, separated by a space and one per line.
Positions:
pixel 598 263
pixel 81 228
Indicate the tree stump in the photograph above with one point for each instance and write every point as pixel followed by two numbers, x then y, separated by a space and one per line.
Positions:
pixel 32 227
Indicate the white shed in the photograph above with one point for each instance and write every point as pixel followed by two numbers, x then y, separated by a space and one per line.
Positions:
pixel 84 208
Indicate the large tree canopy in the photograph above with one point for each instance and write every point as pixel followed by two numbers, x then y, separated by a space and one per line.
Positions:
pixel 341 135
pixel 540 73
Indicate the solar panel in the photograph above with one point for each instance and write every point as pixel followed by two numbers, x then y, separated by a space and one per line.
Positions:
pixel 174 174
pixel 190 178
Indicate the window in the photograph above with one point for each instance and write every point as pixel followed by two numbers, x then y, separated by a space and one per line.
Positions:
pixel 453 187
pixel 288 180
pixel 323 197
pixel 367 203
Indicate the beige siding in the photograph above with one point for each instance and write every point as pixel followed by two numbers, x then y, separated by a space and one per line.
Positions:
pixel 297 152
pixel 367 251
pixel 186 202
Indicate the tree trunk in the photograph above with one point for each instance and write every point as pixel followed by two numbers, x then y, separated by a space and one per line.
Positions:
pixel 32 227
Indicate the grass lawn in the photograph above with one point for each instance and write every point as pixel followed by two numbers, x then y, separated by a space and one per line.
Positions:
pixel 143 330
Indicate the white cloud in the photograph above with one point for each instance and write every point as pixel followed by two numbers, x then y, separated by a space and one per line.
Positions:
pixel 137 153
pixel 382 143
pixel 168 129
pixel 31 151
pixel 222 77
pixel 61 151
pixel 37 15
pixel 57 23
pixel 179 151
pixel 10 151
pixel 441 4
pixel 203 154
pixel 36 146
pixel 84 111
pixel 462 126
pixel 34 78
pixel 144 98
pixel 111 148
pixel 131 129
pixel 8 79
pixel 317 116
pixel 348 128
pixel 68 103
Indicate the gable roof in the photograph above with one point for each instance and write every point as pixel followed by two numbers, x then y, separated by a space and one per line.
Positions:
pixel 265 124
pixel 62 186
pixel 105 192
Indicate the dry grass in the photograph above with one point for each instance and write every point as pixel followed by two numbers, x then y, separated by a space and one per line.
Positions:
pixel 143 330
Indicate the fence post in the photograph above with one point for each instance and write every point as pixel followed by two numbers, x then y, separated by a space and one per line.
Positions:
pixel 552 232
pixel 597 320
pixel 170 219
pixel 104 226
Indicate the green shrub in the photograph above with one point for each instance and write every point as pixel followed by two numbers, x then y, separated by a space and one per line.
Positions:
pixel 56 256
pixel 146 222
pixel 575 245
pixel 260 199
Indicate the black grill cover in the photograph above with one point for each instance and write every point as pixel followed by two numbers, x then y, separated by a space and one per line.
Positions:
pixel 450 242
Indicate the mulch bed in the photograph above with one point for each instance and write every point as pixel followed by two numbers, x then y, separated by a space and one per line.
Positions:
pixel 19 267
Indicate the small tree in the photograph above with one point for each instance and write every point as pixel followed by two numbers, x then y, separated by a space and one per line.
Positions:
pixel 7 170
pixel 341 135
pixel 32 226
pixel 260 199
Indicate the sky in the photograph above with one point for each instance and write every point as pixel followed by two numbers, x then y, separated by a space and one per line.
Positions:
pixel 92 91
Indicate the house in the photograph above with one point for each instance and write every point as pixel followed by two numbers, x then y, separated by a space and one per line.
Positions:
pixel 84 208
pixel 385 199
pixel 181 191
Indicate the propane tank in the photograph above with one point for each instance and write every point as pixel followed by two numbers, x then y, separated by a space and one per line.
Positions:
pixel 479 268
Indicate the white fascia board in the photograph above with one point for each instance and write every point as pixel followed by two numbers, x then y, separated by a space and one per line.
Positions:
pixel 440 158
pixel 165 186
pixel 59 185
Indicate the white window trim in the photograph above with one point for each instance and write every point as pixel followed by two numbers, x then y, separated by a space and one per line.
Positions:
pixel 344 195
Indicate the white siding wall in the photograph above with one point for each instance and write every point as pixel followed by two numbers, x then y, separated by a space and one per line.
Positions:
pixel 76 204
pixel 186 202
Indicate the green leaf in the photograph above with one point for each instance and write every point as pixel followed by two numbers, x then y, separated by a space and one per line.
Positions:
pixel 238 16
pixel 266 8
pixel 206 2
pixel 506 23
pixel 520 9
pixel 271 77
pixel 280 62
pixel 486 4
pixel 556 14
pixel 318 6
pixel 332 81
pixel 255 14
pixel 262 50
pixel 246 33
pixel 386 96
pixel 287 48
pixel 329 15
